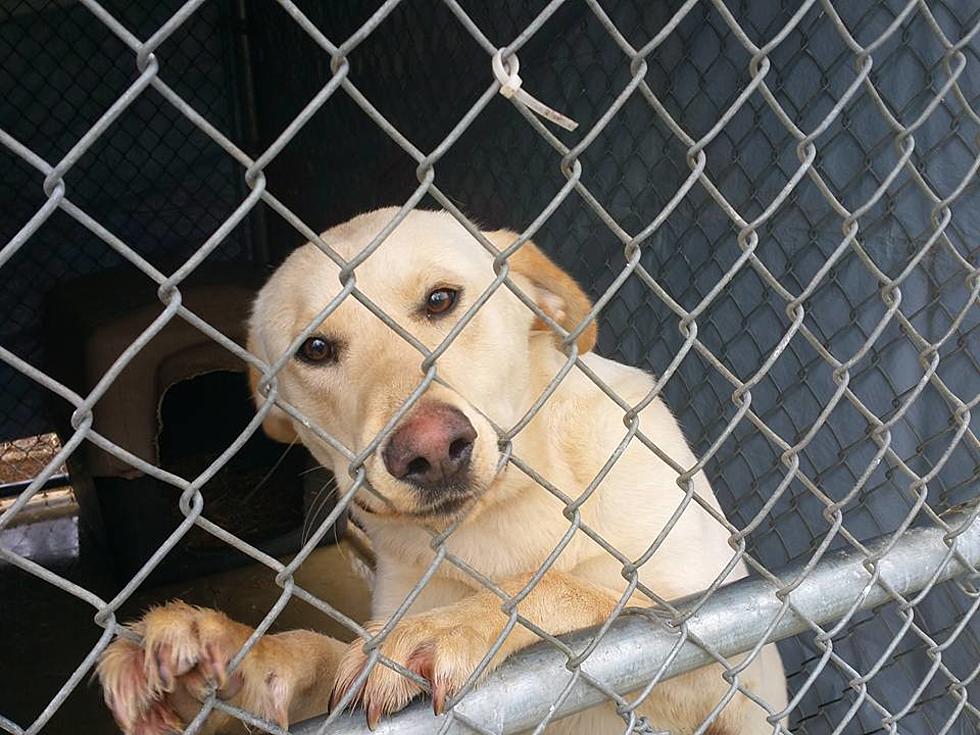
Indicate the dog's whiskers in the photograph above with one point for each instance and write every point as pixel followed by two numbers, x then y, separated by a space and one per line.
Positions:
pixel 319 502
pixel 314 468
pixel 265 478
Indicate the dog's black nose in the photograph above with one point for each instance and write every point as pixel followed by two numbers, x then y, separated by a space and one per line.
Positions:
pixel 431 448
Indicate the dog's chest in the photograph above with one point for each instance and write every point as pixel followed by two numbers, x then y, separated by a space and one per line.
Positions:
pixel 519 544
pixel 498 546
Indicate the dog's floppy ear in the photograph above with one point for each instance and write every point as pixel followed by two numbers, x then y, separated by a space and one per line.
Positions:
pixel 554 291
pixel 276 425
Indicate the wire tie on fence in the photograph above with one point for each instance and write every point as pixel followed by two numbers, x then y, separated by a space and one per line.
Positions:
pixel 510 87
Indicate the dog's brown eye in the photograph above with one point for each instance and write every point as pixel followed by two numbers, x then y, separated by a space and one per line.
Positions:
pixel 440 301
pixel 317 350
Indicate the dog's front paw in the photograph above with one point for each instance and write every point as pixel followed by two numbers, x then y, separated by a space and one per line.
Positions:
pixel 441 646
pixel 156 686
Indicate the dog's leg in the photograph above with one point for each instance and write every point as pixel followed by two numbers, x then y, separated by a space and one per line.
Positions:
pixel 155 687
pixel 445 645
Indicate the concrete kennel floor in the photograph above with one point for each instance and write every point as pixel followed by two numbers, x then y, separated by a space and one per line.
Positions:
pixel 46 633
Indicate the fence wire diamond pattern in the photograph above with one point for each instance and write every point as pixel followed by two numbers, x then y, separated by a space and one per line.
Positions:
pixel 796 300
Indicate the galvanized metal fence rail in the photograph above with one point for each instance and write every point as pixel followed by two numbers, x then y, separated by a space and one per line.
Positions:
pixel 925 549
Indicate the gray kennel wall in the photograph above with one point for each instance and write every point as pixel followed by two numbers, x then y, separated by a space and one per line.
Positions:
pixel 423 72
pixel 156 180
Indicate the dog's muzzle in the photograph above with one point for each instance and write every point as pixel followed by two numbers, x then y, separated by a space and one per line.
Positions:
pixel 431 449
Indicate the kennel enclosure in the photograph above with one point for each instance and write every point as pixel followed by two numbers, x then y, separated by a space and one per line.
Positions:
pixel 774 205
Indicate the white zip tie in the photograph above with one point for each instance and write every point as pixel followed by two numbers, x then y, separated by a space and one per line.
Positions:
pixel 510 86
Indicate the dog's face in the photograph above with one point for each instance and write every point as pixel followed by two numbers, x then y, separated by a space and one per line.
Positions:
pixel 354 373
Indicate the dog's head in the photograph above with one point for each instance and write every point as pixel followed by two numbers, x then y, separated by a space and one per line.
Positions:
pixel 353 373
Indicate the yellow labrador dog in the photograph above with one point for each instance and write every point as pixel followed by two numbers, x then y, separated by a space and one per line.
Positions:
pixel 440 464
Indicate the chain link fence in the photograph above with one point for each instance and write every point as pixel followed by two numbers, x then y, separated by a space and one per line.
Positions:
pixel 773 204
